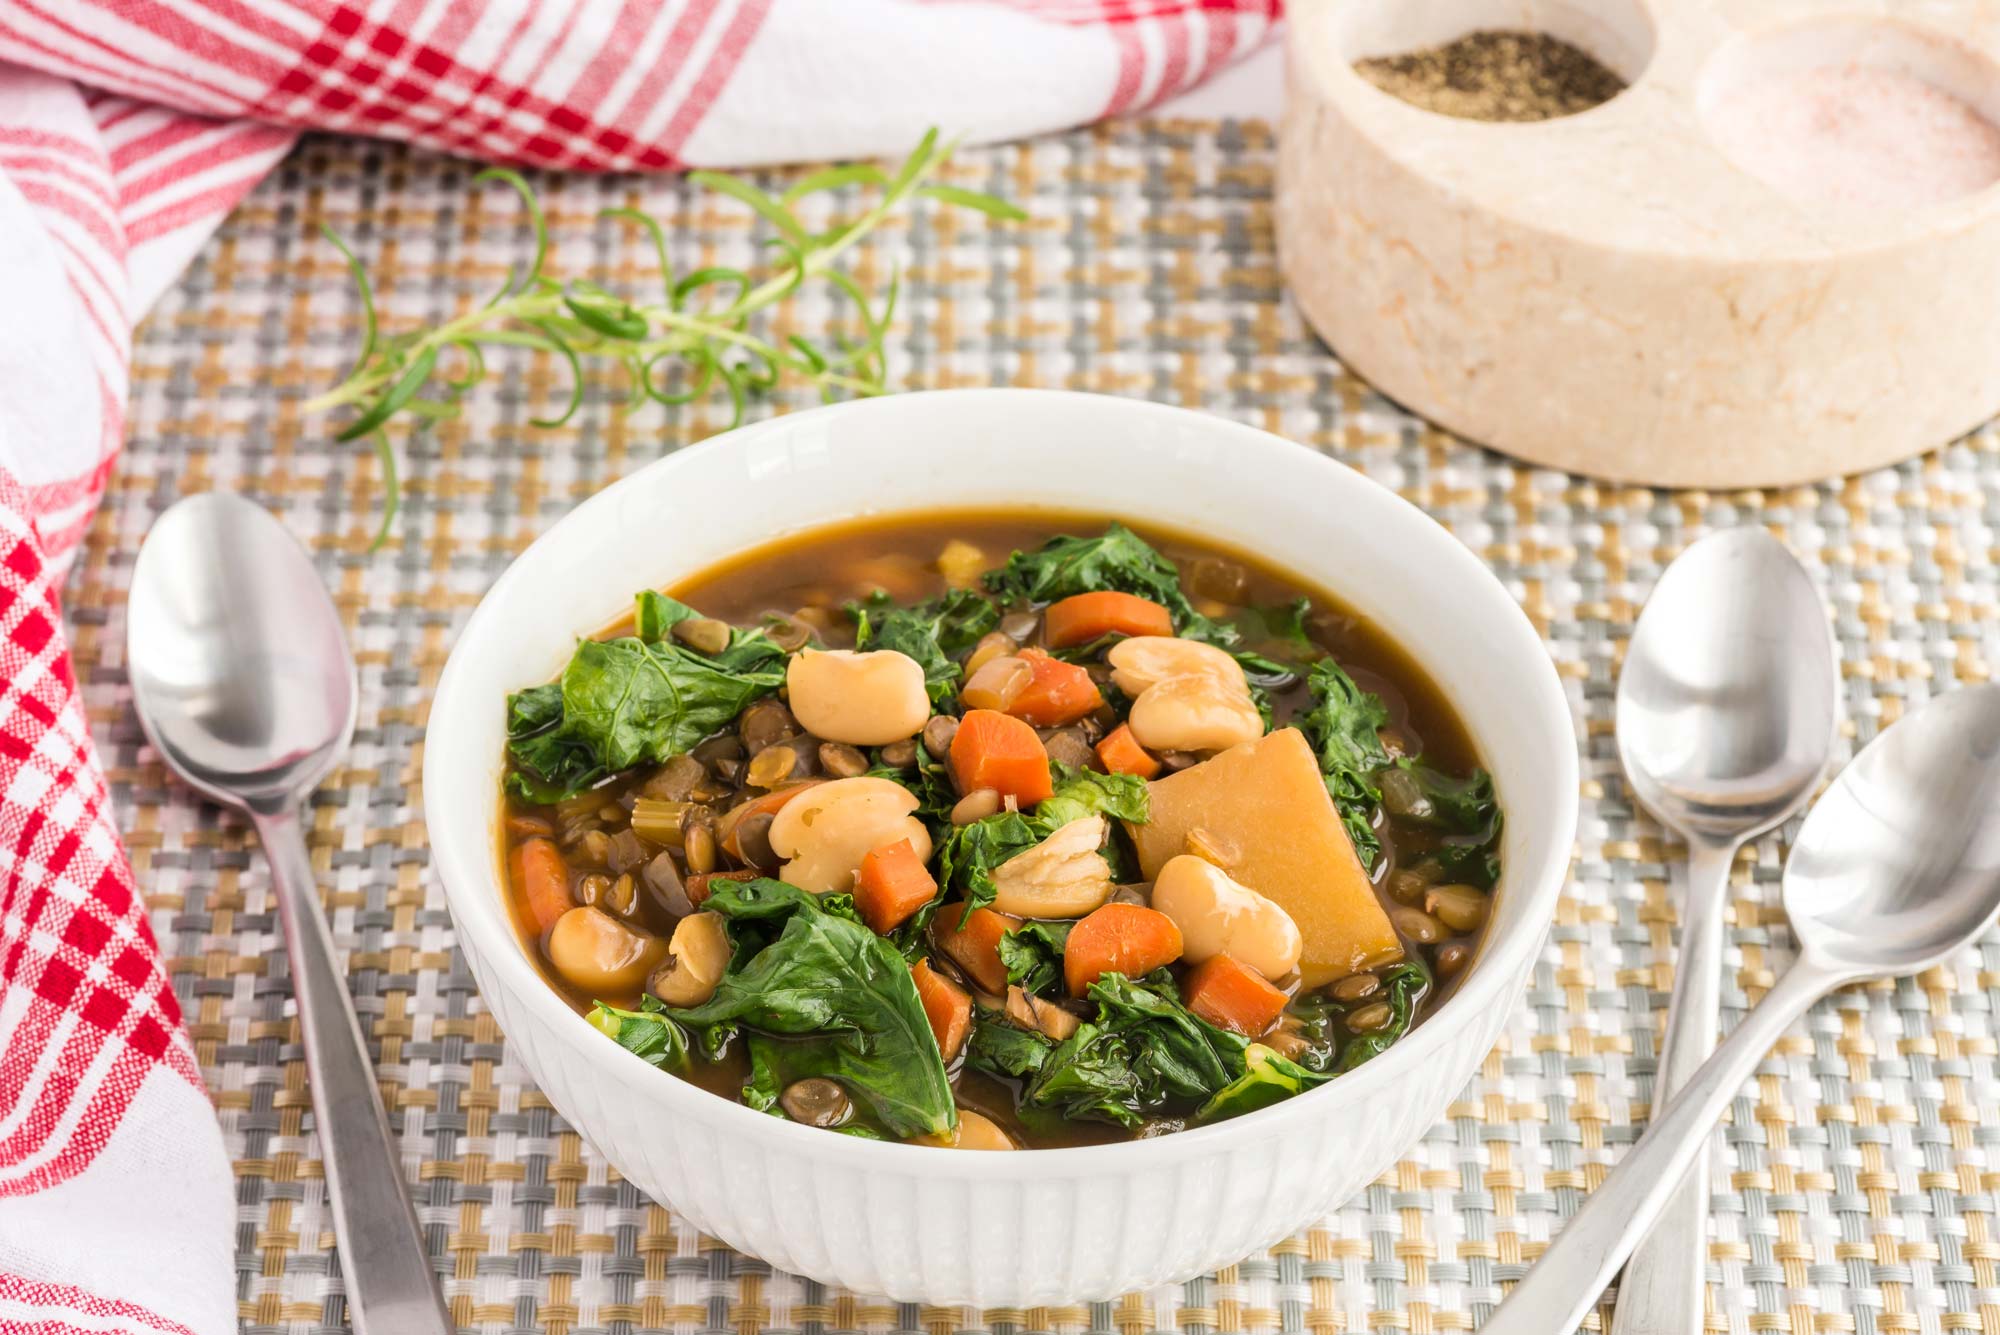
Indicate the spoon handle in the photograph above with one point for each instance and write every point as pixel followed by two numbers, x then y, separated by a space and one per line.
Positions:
pixel 1662 1289
pixel 391 1289
pixel 1560 1288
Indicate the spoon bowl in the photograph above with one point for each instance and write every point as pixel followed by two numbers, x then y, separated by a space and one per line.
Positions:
pixel 239 670
pixel 1898 865
pixel 1726 703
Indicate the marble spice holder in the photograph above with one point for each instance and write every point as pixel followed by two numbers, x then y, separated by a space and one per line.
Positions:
pixel 1608 293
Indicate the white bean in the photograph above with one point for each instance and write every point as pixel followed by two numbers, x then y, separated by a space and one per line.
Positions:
pixel 596 953
pixel 1061 877
pixel 827 830
pixel 975 1132
pixel 1219 915
pixel 698 955
pixel 1145 660
pixel 1194 713
pixel 863 699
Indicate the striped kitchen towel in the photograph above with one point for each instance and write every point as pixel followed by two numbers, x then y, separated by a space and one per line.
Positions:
pixel 128 128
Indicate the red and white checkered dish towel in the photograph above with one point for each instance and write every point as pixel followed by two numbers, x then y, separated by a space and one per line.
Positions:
pixel 128 128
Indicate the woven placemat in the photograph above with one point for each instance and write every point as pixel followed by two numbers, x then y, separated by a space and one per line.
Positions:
pixel 1854 1188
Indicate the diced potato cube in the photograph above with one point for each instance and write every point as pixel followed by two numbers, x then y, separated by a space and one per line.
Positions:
pixel 1267 803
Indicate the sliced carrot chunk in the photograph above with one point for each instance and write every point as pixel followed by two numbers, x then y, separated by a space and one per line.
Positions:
pixel 1120 753
pixel 975 947
pixel 1118 938
pixel 994 750
pixel 1232 995
pixel 1083 617
pixel 542 878
pixel 1056 693
pixel 946 1005
pixel 894 883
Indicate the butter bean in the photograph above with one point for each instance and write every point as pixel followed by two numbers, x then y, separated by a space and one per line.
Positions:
pixel 1143 661
pixel 1219 915
pixel 1194 713
pixel 863 699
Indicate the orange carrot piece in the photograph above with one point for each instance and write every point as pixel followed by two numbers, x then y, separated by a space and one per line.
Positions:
pixel 975 947
pixel 1231 995
pixel 1083 617
pixel 894 883
pixel 1056 693
pixel 994 750
pixel 946 1005
pixel 1120 753
pixel 767 805
pixel 542 879
pixel 1118 938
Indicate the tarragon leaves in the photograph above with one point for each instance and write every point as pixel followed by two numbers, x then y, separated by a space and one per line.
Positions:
pixel 698 334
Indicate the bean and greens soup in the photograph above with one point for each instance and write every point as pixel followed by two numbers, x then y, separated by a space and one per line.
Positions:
pixel 997 830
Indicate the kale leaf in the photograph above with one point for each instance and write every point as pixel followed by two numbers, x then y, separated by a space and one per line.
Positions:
pixel 1033 954
pixel 826 975
pixel 933 633
pixel 647 1033
pixel 1268 1078
pixel 1342 726
pixel 1465 813
pixel 1117 559
pixel 1001 1049
pixel 1085 792
pixel 635 700
pixel 1142 1051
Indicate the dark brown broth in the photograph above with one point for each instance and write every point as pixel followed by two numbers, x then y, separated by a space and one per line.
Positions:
pixel 829 566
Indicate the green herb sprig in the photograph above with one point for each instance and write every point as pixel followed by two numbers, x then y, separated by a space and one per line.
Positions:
pixel 701 323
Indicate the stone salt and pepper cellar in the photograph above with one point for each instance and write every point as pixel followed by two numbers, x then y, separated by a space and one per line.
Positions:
pixel 1695 283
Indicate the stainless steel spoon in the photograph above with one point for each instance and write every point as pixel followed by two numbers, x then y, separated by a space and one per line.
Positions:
pixel 243 681
pixel 1726 714
pixel 1896 869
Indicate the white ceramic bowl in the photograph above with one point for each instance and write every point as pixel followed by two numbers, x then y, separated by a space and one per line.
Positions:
pixel 1048 1225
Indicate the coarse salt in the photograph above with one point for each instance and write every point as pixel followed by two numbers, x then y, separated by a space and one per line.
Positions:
pixel 1858 136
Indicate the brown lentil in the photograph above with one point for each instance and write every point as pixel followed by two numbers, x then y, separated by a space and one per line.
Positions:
pixel 841 760
pixel 1355 987
pixel 1419 926
pixel 1369 1018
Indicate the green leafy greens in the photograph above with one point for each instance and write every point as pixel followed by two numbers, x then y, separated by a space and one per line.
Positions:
pixel 1144 1050
pixel 1116 559
pixel 1033 954
pixel 805 966
pixel 1268 1078
pixel 1343 726
pixel 646 1033
pixel 635 700
pixel 1464 814
pixel 934 633
pixel 700 326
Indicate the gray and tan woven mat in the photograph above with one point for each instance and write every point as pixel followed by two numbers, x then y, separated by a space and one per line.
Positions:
pixel 1855 1182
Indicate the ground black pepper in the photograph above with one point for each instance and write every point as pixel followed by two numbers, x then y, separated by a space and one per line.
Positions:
pixel 1496 76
